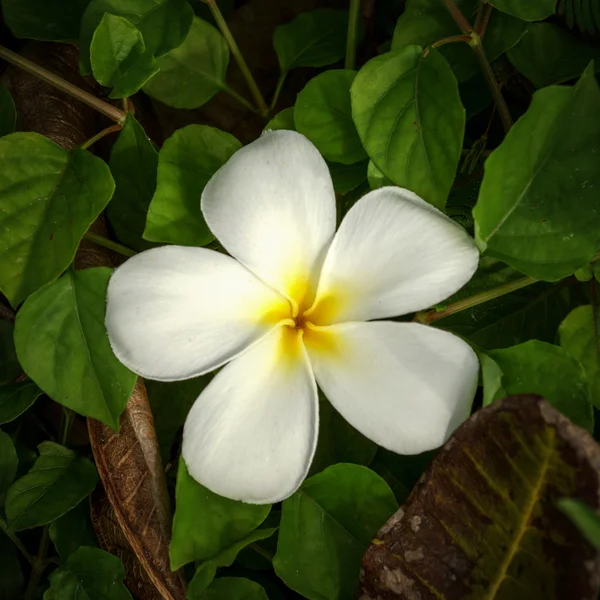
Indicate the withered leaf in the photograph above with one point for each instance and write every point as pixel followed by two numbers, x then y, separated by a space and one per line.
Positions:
pixel 483 524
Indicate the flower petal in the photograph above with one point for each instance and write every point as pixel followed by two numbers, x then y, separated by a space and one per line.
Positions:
pixel 272 206
pixel 405 386
pixel 252 433
pixel 392 255
pixel 176 312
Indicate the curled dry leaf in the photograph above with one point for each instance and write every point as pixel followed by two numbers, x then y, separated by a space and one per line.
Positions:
pixel 483 522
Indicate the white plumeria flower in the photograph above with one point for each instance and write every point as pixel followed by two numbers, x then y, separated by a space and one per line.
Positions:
pixel 293 308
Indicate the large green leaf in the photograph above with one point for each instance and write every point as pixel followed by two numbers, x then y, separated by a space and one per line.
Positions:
pixel 119 56
pixel 282 120
pixel 73 530
pixel 62 344
pixel 537 208
pixel 164 24
pixel 326 526
pixel 313 39
pixel 89 574
pixel 547 55
pixel 586 519
pixel 193 73
pixel 8 464
pixel 47 20
pixel 528 10
pixel 50 197
pixel 205 524
pixel 187 160
pixel 16 398
pixel 11 574
pixel 483 524
pixel 9 364
pixel 133 163
pixel 426 21
pixel 8 112
pixel 408 114
pixel 231 588
pixel 323 114
pixel 579 337
pixel 57 482
pixel 540 368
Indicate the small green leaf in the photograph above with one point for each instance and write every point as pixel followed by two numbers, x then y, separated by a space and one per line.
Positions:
pixel 551 153
pixel 164 24
pixel 187 160
pixel 50 197
pixel 579 337
pixel 313 39
pixel 424 22
pixel 9 364
pixel 8 464
pixel 548 55
pixel 89 574
pixel 193 73
pixel 8 112
pixel 540 368
pixel 119 57
pixel 586 519
pixel 48 20
pixel 407 110
pixel 11 574
pixel 376 178
pixel 133 163
pixel 347 177
pixel 491 375
pixel 73 530
pixel 325 528
pixel 230 588
pixel 282 120
pixel 205 524
pixel 528 10
pixel 58 481
pixel 16 398
pixel 62 344
pixel 323 114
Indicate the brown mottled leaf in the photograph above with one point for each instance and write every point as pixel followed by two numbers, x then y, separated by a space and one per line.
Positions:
pixel 482 524
pixel 131 470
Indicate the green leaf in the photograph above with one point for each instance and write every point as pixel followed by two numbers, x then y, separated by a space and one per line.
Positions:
pixel 325 528
pixel 89 574
pixel 323 114
pixel 57 482
pixel 206 571
pixel 119 57
pixel 407 110
pixel 73 530
pixel 9 364
pixel 170 402
pixel 205 524
pixel 231 588
pixel 282 120
pixel 426 21
pixel 8 112
pixel 528 10
pixel 313 39
pixel 133 163
pixel 539 368
pixel 187 160
pixel 11 574
pixel 16 398
pixel 579 337
pixel 193 73
pixel 584 518
pixel 348 177
pixel 50 197
pixel 8 464
pixel 164 24
pixel 62 344
pixel 48 20
pixel 547 55
pixel 491 375
pixel 376 178
pixel 550 154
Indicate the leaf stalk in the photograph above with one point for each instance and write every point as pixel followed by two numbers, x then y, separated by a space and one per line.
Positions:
pixel 106 243
pixel 352 34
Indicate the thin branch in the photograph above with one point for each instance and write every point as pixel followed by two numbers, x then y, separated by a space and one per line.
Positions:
pixel 15 540
pixel 100 135
pixel 352 34
pixel 483 18
pixel 58 82
pixel 459 18
pixel 448 40
pixel 106 243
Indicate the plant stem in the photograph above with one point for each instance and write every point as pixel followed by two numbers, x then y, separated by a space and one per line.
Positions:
pixel 352 31
pixel 15 540
pixel 483 18
pixel 262 551
pixel 68 418
pixel 38 565
pixel 459 18
pixel 240 99
pixel 102 241
pixel 450 40
pixel 100 135
pixel 237 55
pixel 278 88
pixel 58 82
